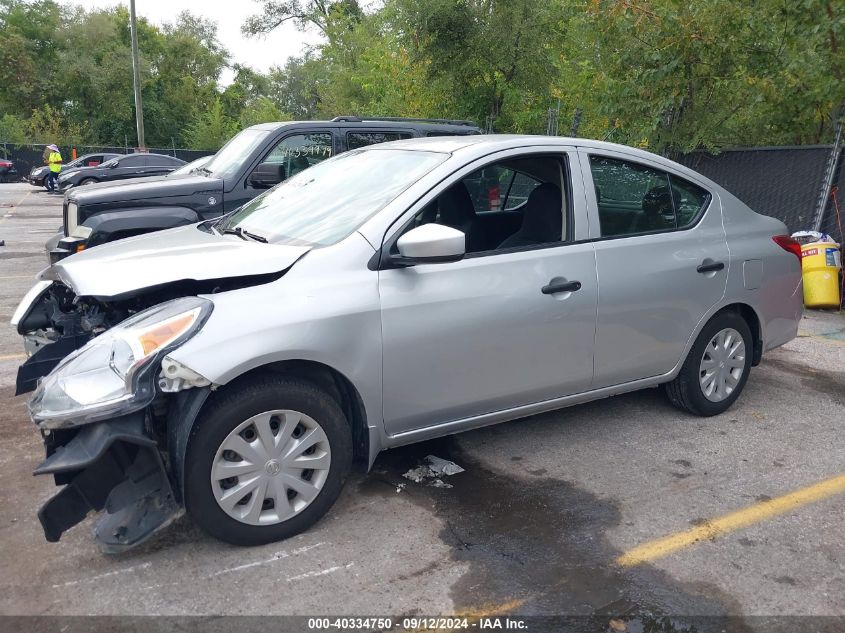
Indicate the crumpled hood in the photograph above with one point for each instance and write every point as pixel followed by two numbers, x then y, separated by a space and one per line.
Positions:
pixel 184 253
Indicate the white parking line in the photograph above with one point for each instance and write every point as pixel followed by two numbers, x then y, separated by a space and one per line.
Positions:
pixel 127 570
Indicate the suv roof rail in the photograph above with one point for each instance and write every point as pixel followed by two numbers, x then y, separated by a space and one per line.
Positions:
pixel 399 119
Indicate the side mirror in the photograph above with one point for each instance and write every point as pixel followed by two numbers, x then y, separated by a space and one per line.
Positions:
pixel 428 244
pixel 266 175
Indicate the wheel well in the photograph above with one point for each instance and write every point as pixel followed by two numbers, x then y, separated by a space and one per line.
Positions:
pixel 336 385
pixel 749 315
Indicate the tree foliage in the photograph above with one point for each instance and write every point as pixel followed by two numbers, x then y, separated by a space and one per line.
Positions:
pixel 670 75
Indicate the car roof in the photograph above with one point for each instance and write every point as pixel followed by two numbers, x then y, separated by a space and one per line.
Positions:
pixel 483 144
pixel 122 156
pixel 465 127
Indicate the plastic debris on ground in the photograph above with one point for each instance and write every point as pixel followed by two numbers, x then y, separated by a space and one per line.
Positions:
pixel 431 472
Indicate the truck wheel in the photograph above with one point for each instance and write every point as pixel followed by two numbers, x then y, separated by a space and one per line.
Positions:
pixel 265 460
pixel 716 367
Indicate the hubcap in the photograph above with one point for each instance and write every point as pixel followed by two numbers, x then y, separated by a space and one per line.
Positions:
pixel 270 467
pixel 722 365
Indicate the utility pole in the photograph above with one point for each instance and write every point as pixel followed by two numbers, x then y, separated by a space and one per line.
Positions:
pixel 136 77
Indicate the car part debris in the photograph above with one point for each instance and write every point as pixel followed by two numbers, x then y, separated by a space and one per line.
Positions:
pixel 431 472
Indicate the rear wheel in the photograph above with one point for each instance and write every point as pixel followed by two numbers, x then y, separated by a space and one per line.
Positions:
pixel 266 460
pixel 716 368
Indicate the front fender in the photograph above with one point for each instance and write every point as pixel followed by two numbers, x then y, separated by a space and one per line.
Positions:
pixel 111 225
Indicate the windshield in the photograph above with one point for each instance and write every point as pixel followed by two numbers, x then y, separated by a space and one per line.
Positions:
pixel 330 200
pixel 226 162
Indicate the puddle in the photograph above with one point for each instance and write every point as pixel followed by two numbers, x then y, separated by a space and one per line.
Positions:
pixel 830 383
pixel 538 546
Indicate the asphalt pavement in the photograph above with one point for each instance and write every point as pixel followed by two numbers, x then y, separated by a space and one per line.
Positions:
pixel 623 508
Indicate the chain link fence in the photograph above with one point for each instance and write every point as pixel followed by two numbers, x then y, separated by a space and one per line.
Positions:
pixel 782 182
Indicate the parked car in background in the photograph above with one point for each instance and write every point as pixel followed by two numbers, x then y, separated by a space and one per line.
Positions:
pixel 250 163
pixel 38 174
pixel 8 172
pixel 120 168
pixel 386 296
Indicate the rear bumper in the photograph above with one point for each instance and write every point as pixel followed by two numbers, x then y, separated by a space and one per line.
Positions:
pixel 113 466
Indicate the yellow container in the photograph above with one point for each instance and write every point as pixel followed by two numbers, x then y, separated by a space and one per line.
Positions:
pixel 820 264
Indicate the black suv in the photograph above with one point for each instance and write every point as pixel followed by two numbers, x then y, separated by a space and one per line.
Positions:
pixel 252 161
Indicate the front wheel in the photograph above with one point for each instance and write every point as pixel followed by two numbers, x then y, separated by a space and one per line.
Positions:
pixel 716 368
pixel 266 460
pixel 87 181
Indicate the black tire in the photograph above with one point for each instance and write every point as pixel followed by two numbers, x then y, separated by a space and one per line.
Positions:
pixel 685 390
pixel 87 181
pixel 232 406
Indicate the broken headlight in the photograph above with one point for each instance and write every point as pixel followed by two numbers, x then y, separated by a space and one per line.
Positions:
pixel 114 373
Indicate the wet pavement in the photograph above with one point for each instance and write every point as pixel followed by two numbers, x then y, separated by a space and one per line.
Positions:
pixel 534 526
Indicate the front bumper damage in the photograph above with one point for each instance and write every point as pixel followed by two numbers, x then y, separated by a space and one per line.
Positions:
pixel 115 466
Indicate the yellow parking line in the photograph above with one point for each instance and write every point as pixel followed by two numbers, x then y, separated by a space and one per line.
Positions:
pixel 13 357
pixel 734 521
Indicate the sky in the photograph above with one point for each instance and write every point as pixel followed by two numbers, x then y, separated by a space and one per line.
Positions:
pixel 258 52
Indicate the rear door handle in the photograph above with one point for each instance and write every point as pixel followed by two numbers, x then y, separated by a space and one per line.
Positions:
pixel 711 267
pixel 561 286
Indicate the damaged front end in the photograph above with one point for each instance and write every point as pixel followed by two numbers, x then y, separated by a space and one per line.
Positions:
pixel 54 322
pixel 106 414
pixel 114 466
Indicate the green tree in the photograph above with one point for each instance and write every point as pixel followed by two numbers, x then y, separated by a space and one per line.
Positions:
pixel 30 39
pixel 322 14
pixel 261 110
pixel 494 54
pixel 210 128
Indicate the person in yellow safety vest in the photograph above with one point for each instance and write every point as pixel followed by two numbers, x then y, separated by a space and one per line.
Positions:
pixel 54 160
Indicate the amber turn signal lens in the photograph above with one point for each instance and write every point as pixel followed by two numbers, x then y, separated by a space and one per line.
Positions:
pixel 163 333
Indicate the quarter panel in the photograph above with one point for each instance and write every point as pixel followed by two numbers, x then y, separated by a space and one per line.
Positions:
pixel 778 297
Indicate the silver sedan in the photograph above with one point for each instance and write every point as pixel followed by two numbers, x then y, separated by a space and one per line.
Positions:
pixel 386 296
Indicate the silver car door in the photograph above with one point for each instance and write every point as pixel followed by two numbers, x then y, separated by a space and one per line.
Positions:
pixel 480 335
pixel 656 285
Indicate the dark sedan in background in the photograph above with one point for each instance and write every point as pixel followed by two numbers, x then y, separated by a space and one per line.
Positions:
pixel 38 174
pixel 121 168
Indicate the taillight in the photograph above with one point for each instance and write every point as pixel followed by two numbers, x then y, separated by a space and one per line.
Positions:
pixel 788 244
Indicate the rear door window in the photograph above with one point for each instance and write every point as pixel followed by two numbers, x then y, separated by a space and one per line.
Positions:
pixel 133 161
pixel 632 198
pixel 355 140
pixel 689 200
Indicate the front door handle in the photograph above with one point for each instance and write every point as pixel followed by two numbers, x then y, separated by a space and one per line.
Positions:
pixel 561 286
pixel 710 267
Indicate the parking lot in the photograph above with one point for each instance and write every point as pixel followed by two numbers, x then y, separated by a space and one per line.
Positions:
pixel 623 507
